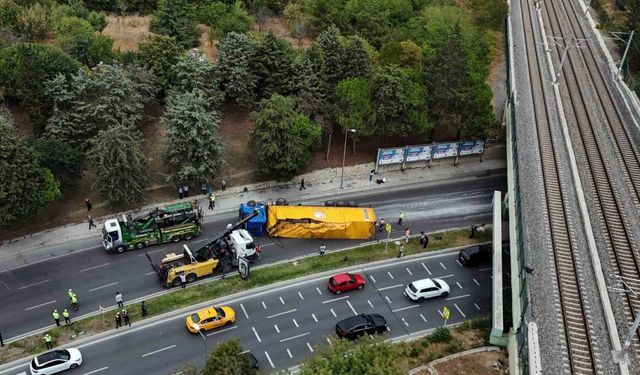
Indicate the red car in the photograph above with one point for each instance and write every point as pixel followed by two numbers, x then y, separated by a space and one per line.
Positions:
pixel 345 282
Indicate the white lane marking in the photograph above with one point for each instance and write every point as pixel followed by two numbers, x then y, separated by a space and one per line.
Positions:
pixel 370 304
pixel 314 317
pixel 460 311
pixel 151 252
pixel 244 311
pixel 409 271
pixel 276 327
pixel 289 352
pixel 426 269
pixel 319 292
pixel 282 313
pixel 40 305
pixel 158 351
pixel 445 276
pixel 371 277
pixel 39 282
pixel 443 266
pixel 281 300
pixel 150 273
pixel 300 295
pixel 296 323
pixel 484 269
pixel 256 333
pixel 476 305
pixel 460 264
pixel 441 314
pixel 328 340
pixel 263 305
pixel 390 275
pixel 352 309
pixel 335 299
pixel 94 267
pixel 390 287
pixel 423 318
pixel 476 281
pixel 221 330
pixel 405 322
pixel 405 308
pixel 104 286
pixel 459 286
pixel 388 300
pixel 295 337
pixel 94 371
pixel 204 239
pixel 458 297
pixel 334 313
pixel 310 348
pixel 245 351
pixel 269 359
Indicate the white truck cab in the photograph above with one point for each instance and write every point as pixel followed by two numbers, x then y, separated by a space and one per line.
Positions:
pixel 242 243
pixel 111 234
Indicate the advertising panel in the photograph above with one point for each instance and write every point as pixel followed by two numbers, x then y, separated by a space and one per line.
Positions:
pixel 445 150
pixel 391 156
pixel 418 153
pixel 472 148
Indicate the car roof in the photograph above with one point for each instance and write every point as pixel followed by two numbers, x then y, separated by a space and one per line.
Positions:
pixel 342 277
pixel 424 283
pixel 48 357
pixel 353 320
pixel 209 312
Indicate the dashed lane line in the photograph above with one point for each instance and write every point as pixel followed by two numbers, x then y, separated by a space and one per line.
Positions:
pixel 40 305
pixel 104 286
pixel 459 286
pixel 150 273
pixel 310 348
pixel 446 276
pixel 34 284
pixel 319 292
pixel 282 313
pixel 476 305
pixel 370 304
pixel 405 322
pixel 387 298
pixel 295 337
pixel 94 267
pixel 334 313
pixel 300 295
pixel 443 266
pixel 460 311
pixel 335 299
pixel 352 309
pixel 390 287
pixel 269 359
pixel 314 317
pixel 405 308
pixel 476 281
pixel 256 333
pixel 276 327
pixel 423 318
pixel 150 252
pixel 372 279
pixel 390 275
pixel 289 352
pixel 426 269
pixel 264 305
pixel 409 271
pixel 296 323
pixel 458 297
pixel 94 371
pixel 460 264
pixel 244 351
pixel 158 351
pixel 244 311
pixel 281 300
pixel 221 330
pixel 484 269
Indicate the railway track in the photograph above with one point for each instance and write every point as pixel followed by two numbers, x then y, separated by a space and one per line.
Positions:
pixel 579 353
pixel 561 19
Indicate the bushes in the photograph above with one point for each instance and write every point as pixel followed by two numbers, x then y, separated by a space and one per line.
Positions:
pixel 441 334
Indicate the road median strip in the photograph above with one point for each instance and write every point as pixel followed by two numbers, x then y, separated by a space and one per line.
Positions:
pixel 213 288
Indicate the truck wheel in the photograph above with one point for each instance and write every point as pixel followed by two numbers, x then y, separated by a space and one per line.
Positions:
pixel 227 267
pixel 120 249
pixel 140 245
pixel 175 282
pixel 188 236
pixel 191 277
pixel 251 203
pixel 175 239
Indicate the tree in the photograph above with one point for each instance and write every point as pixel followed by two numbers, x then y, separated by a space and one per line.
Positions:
pixel 273 64
pixel 283 137
pixel 354 106
pixel 225 360
pixel 399 101
pixel 34 22
pixel 77 37
pixel 24 70
pixel 26 186
pixel 226 18
pixel 159 55
pixel 312 91
pixel 325 13
pixel 376 20
pixel 175 18
pixel 98 21
pixel 405 54
pixel 121 168
pixel 363 357
pixel 89 102
pixel 489 13
pixel 193 74
pixel 357 61
pixel 260 8
pixel 297 21
pixel 9 13
pixel 236 52
pixel 194 151
pixel 65 162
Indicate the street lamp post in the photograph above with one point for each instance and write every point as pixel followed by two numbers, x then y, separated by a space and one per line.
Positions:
pixel 344 153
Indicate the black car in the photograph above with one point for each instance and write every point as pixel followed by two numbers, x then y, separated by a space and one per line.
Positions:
pixel 360 325
pixel 476 255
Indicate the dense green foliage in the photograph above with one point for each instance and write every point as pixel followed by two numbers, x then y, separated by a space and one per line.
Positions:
pixel 224 360
pixel 120 166
pixel 355 106
pixel 159 55
pixel 175 18
pixel 235 60
pixel 65 162
pixel 224 18
pixel 282 137
pixel 273 65
pixel 193 74
pixel 26 186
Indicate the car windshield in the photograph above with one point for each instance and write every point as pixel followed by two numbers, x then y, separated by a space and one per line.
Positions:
pixel 437 284
pixel 413 288
pixel 353 278
pixel 220 312
pixel 195 318
pixel 63 354
pixel 333 282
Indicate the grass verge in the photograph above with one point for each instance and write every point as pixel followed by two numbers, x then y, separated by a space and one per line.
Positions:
pixel 260 277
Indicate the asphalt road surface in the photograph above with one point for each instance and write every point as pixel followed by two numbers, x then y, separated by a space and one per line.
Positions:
pixel 285 325
pixel 29 294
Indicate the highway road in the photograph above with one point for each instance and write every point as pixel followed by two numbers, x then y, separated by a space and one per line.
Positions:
pixel 29 294
pixel 285 325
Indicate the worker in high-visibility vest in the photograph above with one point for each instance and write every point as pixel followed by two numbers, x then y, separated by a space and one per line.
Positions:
pixel 48 340
pixel 56 317
pixel 70 293
pixel 67 317
pixel 74 302
pixel 212 200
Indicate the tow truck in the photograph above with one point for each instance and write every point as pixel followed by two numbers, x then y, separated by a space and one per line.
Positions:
pixel 224 251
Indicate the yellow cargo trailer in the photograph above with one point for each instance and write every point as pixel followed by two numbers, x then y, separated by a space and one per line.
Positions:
pixel 321 222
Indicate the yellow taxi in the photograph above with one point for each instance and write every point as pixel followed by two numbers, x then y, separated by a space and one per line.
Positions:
pixel 211 318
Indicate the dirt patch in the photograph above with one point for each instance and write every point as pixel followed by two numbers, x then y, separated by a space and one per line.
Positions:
pixel 278 26
pixel 128 32
pixel 235 131
pixel 489 363
pixel 210 48
pixel 21 119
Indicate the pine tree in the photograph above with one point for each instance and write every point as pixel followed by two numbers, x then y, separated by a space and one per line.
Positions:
pixel 357 61
pixel 120 165
pixel 192 74
pixel 235 61
pixel 333 55
pixel 175 18
pixel 273 64
pixel 283 137
pixel 159 55
pixel 194 151
pixel 355 106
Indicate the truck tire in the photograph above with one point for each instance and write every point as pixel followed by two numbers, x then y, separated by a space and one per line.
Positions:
pixel 120 249
pixel 140 245
pixel 251 203
pixel 191 277
pixel 227 267
pixel 175 239
pixel 352 204
pixel 329 204
pixel 340 204
pixel 176 282
pixel 187 236
pixel 281 202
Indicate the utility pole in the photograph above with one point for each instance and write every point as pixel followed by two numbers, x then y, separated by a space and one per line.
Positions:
pixel 618 35
pixel 622 356
pixel 344 153
pixel 570 42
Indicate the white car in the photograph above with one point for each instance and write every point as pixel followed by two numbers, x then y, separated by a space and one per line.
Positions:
pixel 55 361
pixel 421 290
